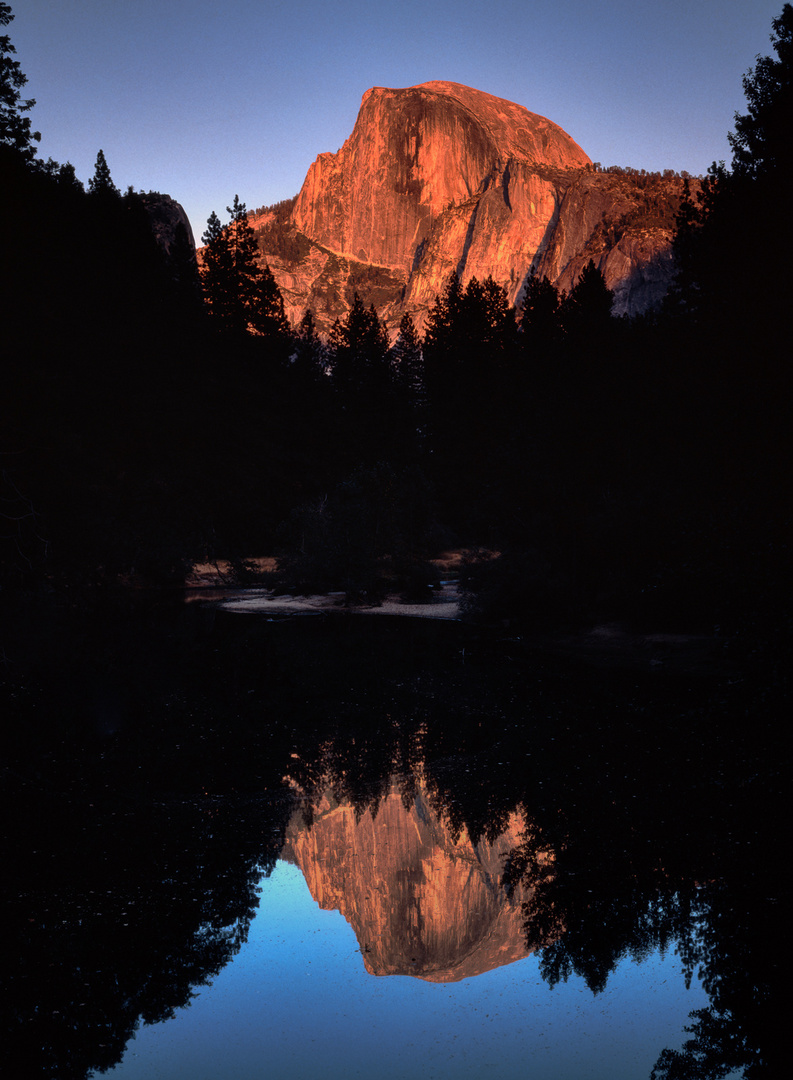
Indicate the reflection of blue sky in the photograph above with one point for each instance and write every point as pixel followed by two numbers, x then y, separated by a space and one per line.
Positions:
pixel 298 1003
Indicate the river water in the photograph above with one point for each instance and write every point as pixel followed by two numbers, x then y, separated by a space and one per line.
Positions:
pixel 336 846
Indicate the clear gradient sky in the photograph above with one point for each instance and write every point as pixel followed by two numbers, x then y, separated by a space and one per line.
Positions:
pixel 205 99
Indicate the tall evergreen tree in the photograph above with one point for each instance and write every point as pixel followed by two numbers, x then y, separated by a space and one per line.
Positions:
pixel 361 378
pixel 101 183
pixel 761 142
pixel 540 321
pixel 310 358
pixel 408 362
pixel 487 324
pixel 243 253
pixel 267 317
pixel 359 348
pixel 217 277
pixel 441 347
pixel 16 134
pixel 586 311
pixel 745 215
pixel 239 295
pixel 443 326
pixel 467 326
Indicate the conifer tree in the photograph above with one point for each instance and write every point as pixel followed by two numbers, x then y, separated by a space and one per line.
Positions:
pixel 216 272
pixel 487 323
pixel 359 348
pixel 361 378
pixel 441 345
pixel 310 358
pixel 240 297
pixel 540 321
pixel 267 317
pixel 732 245
pixel 408 362
pixel 16 134
pixel 101 183
pixel 443 324
pixel 244 251
pixel 761 142
pixel 586 311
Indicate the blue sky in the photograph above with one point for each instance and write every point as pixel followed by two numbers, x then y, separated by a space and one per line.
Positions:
pixel 204 100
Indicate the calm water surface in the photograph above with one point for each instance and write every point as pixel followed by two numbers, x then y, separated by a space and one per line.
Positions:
pixel 297 1001
pixel 355 847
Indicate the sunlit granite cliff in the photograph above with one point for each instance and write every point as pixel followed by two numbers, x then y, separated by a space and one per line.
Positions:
pixel 441 177
pixel 414 154
pixel 421 901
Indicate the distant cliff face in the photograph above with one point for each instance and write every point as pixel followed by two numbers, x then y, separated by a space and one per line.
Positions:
pixel 421 901
pixel 412 155
pixel 440 177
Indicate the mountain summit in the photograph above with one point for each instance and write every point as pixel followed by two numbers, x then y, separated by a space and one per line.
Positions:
pixel 412 155
pixel 441 177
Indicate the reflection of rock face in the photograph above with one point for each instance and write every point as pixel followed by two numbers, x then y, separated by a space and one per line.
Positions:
pixel 421 903
pixel 441 177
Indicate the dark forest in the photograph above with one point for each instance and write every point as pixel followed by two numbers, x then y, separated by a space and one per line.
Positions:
pixel 632 469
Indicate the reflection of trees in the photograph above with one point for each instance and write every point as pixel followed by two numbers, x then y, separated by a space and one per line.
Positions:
pixel 649 799
pixel 136 830
pixel 657 820
pixel 649 802
pixel 119 913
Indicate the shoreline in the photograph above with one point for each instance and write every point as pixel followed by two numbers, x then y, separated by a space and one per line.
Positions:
pixel 445 603
pixel 604 645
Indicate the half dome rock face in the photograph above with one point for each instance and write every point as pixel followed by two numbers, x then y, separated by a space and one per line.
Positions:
pixel 422 900
pixel 414 154
pixel 439 178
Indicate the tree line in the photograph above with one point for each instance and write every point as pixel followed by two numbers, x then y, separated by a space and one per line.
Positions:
pixel 629 468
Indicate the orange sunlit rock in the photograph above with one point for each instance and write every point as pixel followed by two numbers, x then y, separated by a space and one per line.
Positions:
pixel 440 177
pixel 421 900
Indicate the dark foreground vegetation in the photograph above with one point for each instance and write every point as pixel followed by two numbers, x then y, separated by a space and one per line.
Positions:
pixel 625 469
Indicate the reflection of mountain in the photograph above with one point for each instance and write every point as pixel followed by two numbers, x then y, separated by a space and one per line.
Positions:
pixel 420 901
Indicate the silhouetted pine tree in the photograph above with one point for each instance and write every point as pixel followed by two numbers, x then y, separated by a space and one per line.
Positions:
pixel 101 183
pixel 361 379
pixel 540 321
pixel 440 342
pixel 487 327
pixel 408 362
pixel 359 350
pixel 16 134
pixel 469 349
pixel 217 272
pixel 586 311
pixel 243 253
pixel 309 356
pixel 234 291
pixel 761 142
pixel 440 348
pixel 267 315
